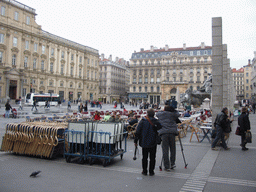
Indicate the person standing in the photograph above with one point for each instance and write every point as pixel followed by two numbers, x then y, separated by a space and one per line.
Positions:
pixel 146 135
pixel 8 107
pixel 34 105
pixel 168 119
pixel 221 122
pixel 244 123
pixel 69 104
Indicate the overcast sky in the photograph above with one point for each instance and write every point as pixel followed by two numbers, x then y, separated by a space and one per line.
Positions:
pixel 121 27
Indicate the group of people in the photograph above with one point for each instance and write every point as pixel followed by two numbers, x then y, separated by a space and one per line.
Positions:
pixel 165 126
pixel 146 134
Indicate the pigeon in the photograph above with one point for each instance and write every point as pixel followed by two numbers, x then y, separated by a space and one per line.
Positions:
pixel 34 174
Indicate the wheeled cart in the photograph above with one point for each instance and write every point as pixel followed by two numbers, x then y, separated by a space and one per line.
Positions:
pixel 94 140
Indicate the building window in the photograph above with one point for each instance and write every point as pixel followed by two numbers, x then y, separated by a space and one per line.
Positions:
pixel 247 74
pixel 197 88
pixel 1 38
pixel 191 53
pixel 14 59
pixel 51 67
pixel 181 79
pixel 80 59
pixel 174 79
pixel 134 89
pixel 198 79
pixel 158 80
pixel 92 62
pixel 43 49
pixel 95 75
pixel 26 45
pixel 198 52
pixel 41 82
pixel 80 73
pixel 152 89
pixel 140 80
pixel 146 80
pixel 1 56
pixel 15 41
pixel 35 47
pixel 152 80
pixel 174 61
pixel 42 65
pixel 146 89
pixel 167 78
pixel 88 61
pixel 139 89
pixel 52 52
pixel 247 88
pixel 62 69
pixel 198 60
pixel 72 57
pixel 27 20
pixel 71 70
pixel 34 64
pixel 62 54
pixel 3 10
pixel 152 71
pixel 50 83
pixel 26 62
pixel 16 15
pixel 158 89
pixel 191 60
pixel 88 74
pixel 134 80
pixel 205 60
pixel 247 80
pixel 61 84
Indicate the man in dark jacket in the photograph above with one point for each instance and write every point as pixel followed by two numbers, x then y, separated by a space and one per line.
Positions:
pixel 221 122
pixel 168 119
pixel 7 109
pixel 244 123
pixel 146 134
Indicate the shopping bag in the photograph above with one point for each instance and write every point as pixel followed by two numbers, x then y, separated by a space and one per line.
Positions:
pixel 238 131
pixel 248 137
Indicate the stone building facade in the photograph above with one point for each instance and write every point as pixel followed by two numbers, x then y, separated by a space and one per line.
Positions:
pixel 253 77
pixel 112 80
pixel 238 77
pixel 160 74
pixel 33 60
pixel 247 81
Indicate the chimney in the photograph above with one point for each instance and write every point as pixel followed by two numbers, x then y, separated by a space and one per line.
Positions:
pixel 151 48
pixel 166 47
pixel 184 46
pixel 202 45
pixel 102 57
pixel 142 49
pixel 134 51
pixel 117 59
pixel 110 58
pixel 249 62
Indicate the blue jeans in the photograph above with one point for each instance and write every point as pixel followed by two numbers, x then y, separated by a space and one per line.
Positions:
pixel 219 136
pixel 7 113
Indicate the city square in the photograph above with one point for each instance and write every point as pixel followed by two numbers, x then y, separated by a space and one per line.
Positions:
pixel 70 104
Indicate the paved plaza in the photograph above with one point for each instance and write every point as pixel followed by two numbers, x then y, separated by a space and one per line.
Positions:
pixel 211 171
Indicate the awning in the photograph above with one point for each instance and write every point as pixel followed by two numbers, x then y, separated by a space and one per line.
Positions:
pixel 137 95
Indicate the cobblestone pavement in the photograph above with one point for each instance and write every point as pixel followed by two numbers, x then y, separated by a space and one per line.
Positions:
pixel 207 170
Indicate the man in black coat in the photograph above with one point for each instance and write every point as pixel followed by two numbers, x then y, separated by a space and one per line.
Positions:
pixel 244 123
pixel 221 122
pixel 146 135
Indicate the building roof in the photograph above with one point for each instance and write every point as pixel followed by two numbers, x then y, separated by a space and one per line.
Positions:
pixel 175 49
pixel 241 70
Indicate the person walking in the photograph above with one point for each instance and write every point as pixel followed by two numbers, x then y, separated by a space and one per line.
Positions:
pixel 69 104
pixel 146 135
pixel 221 122
pixel 244 123
pixel 34 105
pixel 8 107
pixel 168 119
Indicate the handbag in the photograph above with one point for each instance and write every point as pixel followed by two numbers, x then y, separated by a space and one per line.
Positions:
pixel 248 137
pixel 238 131
pixel 158 138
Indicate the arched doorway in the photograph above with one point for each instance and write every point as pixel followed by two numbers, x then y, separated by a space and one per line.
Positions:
pixel 173 93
